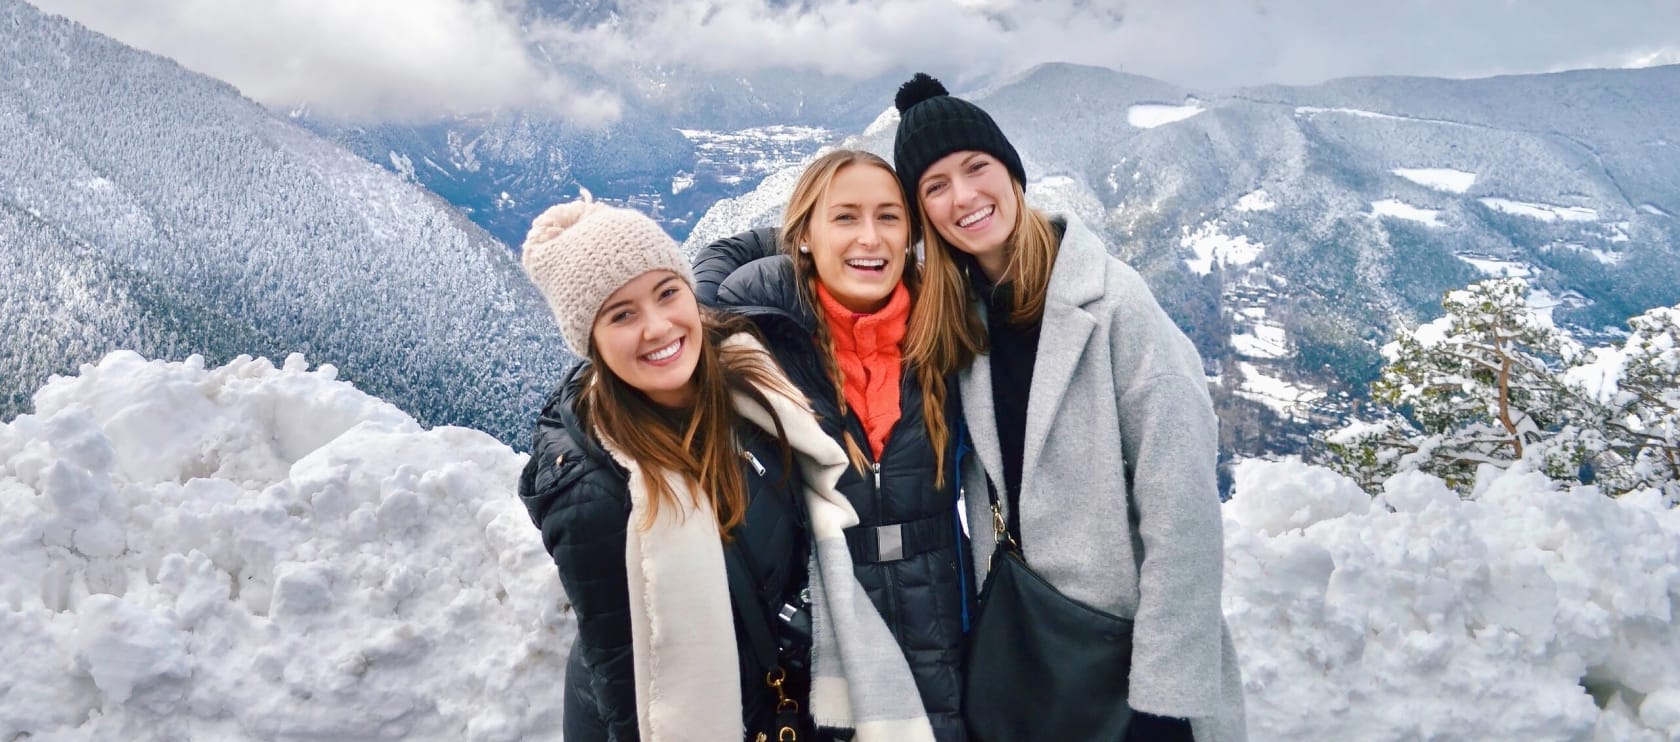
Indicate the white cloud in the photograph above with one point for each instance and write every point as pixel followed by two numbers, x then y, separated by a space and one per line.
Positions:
pixel 381 59
pixel 1203 43
pixel 414 57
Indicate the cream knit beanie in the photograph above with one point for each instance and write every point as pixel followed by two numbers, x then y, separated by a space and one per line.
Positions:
pixel 578 253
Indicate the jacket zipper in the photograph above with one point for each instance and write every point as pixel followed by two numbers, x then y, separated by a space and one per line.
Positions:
pixel 753 461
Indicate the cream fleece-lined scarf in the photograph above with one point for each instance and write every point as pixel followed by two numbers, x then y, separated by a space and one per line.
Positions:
pixel 682 627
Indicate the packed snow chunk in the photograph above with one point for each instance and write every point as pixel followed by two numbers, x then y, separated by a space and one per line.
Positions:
pixel 282 557
pixel 1151 115
pixel 1494 618
pixel 1214 247
pixel 125 647
pixel 1542 212
pixel 1438 178
pixel 1393 207
pixel 1276 496
pixel 1256 200
pixel 247 419
pixel 1653 209
pixel 1414 492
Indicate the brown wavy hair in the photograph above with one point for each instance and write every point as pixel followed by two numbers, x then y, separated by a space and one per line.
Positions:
pixel 703 450
pixel 796 229
pixel 946 332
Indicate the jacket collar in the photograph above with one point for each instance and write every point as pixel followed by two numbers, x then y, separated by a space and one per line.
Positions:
pixel 767 288
pixel 1076 282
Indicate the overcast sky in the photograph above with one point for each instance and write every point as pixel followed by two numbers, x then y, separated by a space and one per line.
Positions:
pixel 417 58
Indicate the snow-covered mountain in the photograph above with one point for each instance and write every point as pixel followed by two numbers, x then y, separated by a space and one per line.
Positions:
pixel 1291 230
pixel 501 170
pixel 686 135
pixel 146 207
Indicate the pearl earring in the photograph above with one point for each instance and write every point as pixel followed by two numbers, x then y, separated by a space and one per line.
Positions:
pixel 805 249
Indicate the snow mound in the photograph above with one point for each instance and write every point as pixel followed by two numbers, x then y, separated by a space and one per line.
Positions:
pixel 1535 612
pixel 251 552
pixel 1151 115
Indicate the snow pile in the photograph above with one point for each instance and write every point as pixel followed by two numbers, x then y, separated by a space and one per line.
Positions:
pixel 256 553
pixel 1533 612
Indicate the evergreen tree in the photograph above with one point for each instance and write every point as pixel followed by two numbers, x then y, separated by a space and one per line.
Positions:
pixel 1642 424
pixel 1480 385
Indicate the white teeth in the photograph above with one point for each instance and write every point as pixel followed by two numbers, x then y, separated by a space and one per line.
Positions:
pixel 665 352
pixel 868 263
pixel 976 216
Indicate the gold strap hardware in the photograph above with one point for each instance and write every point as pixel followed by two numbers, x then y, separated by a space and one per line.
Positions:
pixel 1000 528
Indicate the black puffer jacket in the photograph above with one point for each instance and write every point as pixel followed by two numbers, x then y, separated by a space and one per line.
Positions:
pixel 923 596
pixel 579 497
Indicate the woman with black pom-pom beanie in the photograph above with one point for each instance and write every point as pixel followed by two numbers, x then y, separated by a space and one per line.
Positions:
pixel 1087 409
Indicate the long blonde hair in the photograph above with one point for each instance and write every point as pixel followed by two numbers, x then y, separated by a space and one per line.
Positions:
pixel 946 332
pixel 704 452
pixel 796 228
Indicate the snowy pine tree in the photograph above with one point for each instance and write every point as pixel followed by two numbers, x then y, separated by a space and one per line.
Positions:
pixel 1480 385
pixel 1642 420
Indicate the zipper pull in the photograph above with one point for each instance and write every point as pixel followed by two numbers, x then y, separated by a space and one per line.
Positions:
pixel 753 460
pixel 877 467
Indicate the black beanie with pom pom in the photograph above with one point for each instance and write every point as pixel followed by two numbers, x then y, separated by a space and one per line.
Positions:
pixel 933 124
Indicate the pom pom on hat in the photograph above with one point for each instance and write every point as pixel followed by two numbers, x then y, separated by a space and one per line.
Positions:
pixel 578 253
pixel 917 89
pixel 556 219
pixel 932 124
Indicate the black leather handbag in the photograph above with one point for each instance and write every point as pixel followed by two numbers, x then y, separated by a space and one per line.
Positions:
pixel 1041 665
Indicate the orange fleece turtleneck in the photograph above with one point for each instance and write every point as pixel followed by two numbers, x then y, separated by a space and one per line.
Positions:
pixel 866 349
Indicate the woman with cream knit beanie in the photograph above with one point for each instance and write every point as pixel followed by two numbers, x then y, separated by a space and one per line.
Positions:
pixel 673 465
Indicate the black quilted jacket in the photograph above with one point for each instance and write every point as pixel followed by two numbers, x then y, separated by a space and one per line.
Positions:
pixel 578 496
pixel 924 598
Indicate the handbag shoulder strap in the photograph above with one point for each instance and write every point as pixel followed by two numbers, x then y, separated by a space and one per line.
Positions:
pixel 747 605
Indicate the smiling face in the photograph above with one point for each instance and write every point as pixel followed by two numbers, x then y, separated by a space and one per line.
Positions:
pixel 648 334
pixel 858 234
pixel 969 198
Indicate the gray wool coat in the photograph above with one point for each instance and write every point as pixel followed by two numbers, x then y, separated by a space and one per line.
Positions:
pixel 1119 501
